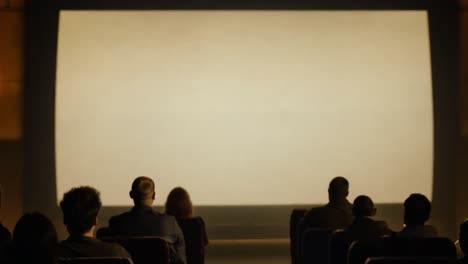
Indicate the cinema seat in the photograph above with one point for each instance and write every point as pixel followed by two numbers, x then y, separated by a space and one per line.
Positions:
pixel 338 246
pixel 95 261
pixel 144 250
pixel 359 251
pixel 295 218
pixel 410 260
pixel 195 239
pixel 314 246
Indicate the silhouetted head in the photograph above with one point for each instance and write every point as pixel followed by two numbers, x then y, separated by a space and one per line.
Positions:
pixel 338 189
pixel 417 209
pixel 363 206
pixel 34 240
pixel 463 239
pixel 179 204
pixel 142 191
pixel 80 207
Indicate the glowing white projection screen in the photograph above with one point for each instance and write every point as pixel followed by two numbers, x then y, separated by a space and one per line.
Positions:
pixel 245 107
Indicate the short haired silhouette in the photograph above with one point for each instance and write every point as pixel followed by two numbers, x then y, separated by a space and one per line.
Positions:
pixel 34 240
pixel 463 239
pixel 417 209
pixel 80 207
pixel 143 220
pixel 363 206
pixel 336 214
pixel 338 188
pixel 363 227
pixel 179 204
pixel 142 189
pixel 417 212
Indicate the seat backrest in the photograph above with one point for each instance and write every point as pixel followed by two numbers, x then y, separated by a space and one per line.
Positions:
pixel 360 250
pixel 294 220
pixel 397 247
pixel 410 260
pixel 96 261
pixel 144 250
pixel 430 247
pixel 338 247
pixel 315 246
pixel 195 239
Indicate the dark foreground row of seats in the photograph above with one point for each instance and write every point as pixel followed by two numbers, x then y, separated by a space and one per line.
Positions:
pixel 156 250
pixel 376 260
pixel 139 250
pixel 97 260
pixel 328 246
pixel 143 250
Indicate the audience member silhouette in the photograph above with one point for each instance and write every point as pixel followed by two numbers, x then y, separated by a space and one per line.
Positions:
pixel 178 204
pixel 417 213
pixel 5 235
pixel 363 226
pixel 337 213
pixel 5 239
pixel 34 240
pixel 463 240
pixel 80 207
pixel 142 220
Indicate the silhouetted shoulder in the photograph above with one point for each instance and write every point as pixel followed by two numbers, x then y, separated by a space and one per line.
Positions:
pixel 166 217
pixel 143 221
pixel 425 231
pixel 89 247
pixel 328 216
pixel 117 218
pixel 5 235
pixel 313 211
pixel 311 214
pixel 382 228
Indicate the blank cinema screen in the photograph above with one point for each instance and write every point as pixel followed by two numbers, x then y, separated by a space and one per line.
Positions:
pixel 245 107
